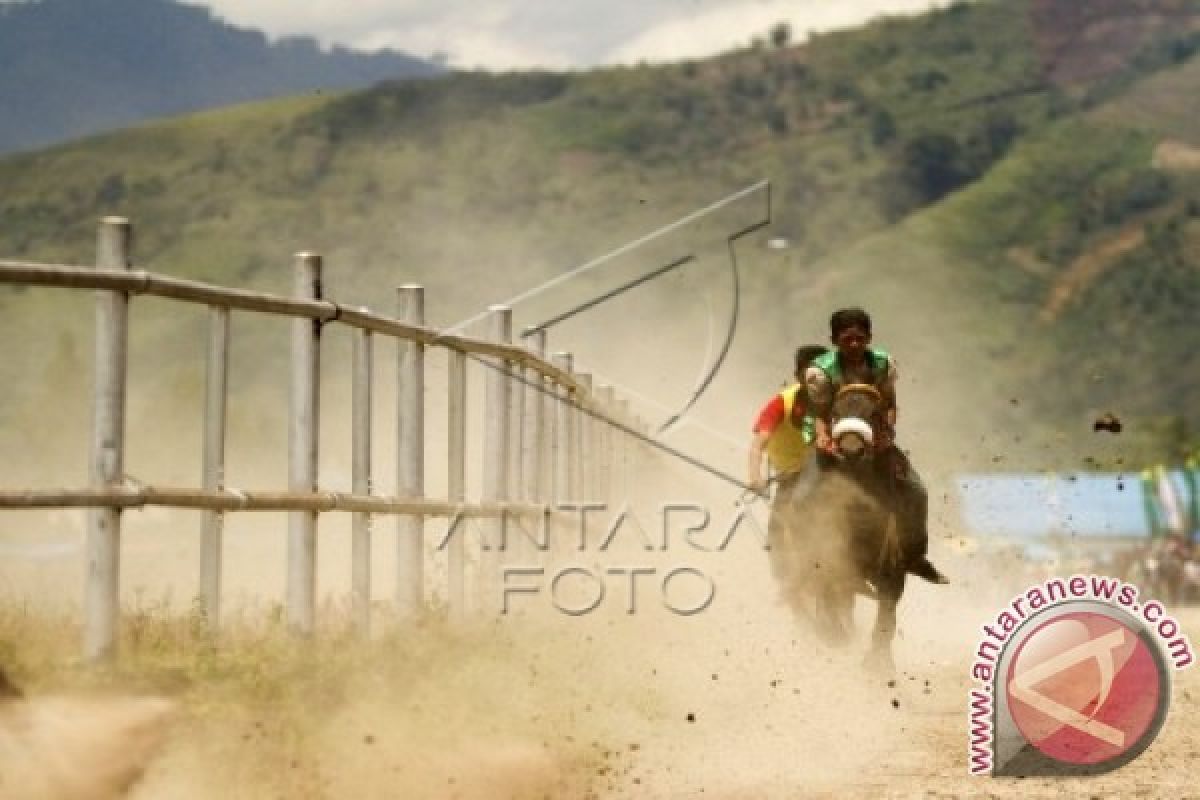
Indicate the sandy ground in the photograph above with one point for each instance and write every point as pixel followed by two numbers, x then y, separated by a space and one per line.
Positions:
pixel 783 718
pixel 735 702
pixel 732 703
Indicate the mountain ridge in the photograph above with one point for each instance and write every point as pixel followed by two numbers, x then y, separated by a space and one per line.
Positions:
pixel 915 171
pixel 77 67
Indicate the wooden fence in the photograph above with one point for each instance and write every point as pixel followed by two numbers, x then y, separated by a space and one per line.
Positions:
pixel 550 437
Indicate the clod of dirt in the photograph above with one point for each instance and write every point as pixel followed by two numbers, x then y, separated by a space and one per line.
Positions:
pixel 691 717
pixel 1107 422
pixel 895 703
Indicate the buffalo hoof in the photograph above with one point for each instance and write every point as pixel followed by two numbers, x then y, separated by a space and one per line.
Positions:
pixel 878 661
pixel 831 631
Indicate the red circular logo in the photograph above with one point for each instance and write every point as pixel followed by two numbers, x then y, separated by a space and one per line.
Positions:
pixel 1084 688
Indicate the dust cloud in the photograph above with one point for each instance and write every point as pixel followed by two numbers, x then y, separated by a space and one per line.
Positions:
pixel 96 748
pixel 736 701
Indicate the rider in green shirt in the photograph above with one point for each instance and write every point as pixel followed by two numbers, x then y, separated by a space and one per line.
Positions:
pixel 854 361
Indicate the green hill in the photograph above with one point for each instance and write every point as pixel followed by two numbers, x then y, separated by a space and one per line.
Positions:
pixel 1018 224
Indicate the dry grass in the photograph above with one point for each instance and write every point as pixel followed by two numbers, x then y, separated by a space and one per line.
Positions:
pixel 424 710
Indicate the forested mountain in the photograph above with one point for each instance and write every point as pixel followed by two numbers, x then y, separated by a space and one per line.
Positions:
pixel 74 67
pixel 1011 187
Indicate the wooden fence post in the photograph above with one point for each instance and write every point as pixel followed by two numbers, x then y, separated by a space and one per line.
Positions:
pixel 304 418
pixel 410 448
pixel 456 479
pixel 360 461
pixel 107 463
pixel 216 381
pixel 496 461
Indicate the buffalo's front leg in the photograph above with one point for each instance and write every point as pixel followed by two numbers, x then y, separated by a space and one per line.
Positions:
pixel 879 657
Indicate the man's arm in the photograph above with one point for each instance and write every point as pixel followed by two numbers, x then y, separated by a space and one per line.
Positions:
pixel 754 471
pixel 888 390
pixel 768 420
pixel 820 404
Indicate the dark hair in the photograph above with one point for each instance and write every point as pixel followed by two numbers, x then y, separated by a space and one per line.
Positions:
pixel 805 354
pixel 849 318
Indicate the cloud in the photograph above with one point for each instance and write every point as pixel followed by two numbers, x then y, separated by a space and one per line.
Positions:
pixel 718 29
pixel 505 34
pixel 467 48
pixel 497 34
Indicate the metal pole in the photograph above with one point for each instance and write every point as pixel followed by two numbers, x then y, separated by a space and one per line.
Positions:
pixel 456 478
pixel 583 451
pixel 546 448
pixel 360 466
pixel 496 460
pixel 534 431
pixel 605 399
pixel 216 381
pixel 410 448
pixel 624 445
pixel 107 465
pixel 564 438
pixel 514 474
pixel 304 419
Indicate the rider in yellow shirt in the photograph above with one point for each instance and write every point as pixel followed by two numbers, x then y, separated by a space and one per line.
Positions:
pixel 784 434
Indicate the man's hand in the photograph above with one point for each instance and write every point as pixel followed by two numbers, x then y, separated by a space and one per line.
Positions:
pixel 826 444
pixel 885 437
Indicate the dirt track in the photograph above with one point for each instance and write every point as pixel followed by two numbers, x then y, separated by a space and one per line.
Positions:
pixel 732 703
pixel 859 743
pixel 933 763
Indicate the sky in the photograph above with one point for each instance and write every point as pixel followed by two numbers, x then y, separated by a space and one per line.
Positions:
pixel 558 34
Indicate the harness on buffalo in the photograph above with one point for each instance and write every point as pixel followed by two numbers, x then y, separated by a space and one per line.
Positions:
pixel 857 408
